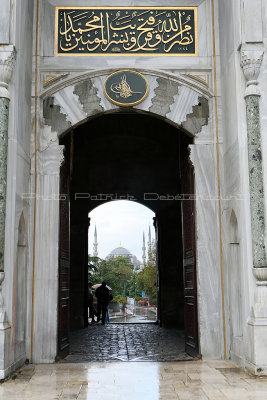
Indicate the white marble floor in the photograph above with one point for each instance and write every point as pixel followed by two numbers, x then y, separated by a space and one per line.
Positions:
pixel 191 380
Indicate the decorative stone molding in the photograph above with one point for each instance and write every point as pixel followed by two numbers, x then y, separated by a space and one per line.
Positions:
pixel 3 316
pixel 261 276
pixel 259 309
pixel 50 160
pixel 7 60
pixel 251 60
pixel 49 79
pixel 72 105
pixel 202 78
pixel 46 138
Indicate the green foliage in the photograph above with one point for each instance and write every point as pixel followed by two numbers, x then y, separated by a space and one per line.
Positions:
pixel 93 266
pixel 120 276
pixel 146 280
pixel 117 272
pixel 120 299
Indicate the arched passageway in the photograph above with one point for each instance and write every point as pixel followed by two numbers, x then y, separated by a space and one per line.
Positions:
pixel 122 252
pixel 141 158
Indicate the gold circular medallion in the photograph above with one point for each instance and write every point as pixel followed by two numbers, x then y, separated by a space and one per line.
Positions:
pixel 126 88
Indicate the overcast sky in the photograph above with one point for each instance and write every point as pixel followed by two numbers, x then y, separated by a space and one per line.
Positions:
pixel 120 221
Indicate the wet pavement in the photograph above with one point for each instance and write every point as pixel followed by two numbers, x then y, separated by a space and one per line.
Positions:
pixel 134 315
pixel 126 342
pixel 191 380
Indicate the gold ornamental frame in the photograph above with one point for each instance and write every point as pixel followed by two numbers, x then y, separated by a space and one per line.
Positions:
pixel 195 9
pixel 117 103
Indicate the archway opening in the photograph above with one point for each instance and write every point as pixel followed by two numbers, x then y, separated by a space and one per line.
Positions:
pixel 122 252
pixel 137 157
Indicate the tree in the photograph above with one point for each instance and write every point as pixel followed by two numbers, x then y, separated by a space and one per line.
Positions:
pixel 117 272
pixel 93 265
pixel 147 279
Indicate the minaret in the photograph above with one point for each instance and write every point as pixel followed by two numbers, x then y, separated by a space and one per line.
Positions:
pixel 144 250
pixel 149 241
pixel 149 246
pixel 95 253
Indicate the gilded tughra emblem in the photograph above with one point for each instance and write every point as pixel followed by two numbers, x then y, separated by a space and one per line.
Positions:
pixel 125 31
pixel 123 88
pixel 126 88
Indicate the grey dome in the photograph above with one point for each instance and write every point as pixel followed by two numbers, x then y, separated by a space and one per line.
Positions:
pixel 120 251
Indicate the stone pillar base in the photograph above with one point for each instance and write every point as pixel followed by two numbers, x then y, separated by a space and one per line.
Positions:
pixel 258 338
pixel 257 325
pixel 5 338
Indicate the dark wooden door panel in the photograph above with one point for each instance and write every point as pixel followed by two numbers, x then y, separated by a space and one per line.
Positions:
pixel 189 257
pixel 64 256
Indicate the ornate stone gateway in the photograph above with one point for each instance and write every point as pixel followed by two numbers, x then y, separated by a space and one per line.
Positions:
pixel 173 100
pixel 205 66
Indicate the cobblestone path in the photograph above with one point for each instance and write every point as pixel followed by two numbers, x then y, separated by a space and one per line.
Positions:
pixel 126 342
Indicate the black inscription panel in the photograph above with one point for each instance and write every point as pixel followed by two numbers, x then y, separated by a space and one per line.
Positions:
pixel 126 31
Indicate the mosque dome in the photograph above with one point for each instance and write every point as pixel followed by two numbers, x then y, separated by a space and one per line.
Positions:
pixel 120 251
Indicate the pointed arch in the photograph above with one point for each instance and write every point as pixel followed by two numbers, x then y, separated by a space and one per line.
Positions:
pixel 233 229
pixel 68 104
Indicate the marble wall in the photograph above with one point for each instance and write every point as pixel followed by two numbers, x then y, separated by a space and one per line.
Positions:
pixel 18 183
pixel 181 91
pixel 5 22
pixel 236 29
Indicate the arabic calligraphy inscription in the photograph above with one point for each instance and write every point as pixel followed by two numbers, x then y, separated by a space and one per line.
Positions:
pixel 126 31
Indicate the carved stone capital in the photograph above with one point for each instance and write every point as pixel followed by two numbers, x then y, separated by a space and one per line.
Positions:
pixel 3 315
pixel 261 276
pixel 259 309
pixel 7 60
pixel 46 138
pixel 251 60
pixel 50 160
pixel 2 277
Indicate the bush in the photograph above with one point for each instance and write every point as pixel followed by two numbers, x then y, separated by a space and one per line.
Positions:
pixel 120 299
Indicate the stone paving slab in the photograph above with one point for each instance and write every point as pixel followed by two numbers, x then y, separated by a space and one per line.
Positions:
pixel 184 380
pixel 127 342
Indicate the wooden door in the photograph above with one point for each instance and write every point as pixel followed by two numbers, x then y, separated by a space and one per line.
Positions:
pixel 189 253
pixel 64 255
pixel 155 223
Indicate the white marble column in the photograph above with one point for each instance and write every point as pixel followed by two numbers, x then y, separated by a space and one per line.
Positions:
pixel 203 158
pixel 251 60
pixel 7 57
pixel 46 254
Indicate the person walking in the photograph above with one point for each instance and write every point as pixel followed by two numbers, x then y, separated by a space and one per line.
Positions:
pixel 91 303
pixel 102 295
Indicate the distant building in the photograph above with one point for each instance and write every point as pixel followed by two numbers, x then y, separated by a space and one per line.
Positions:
pixel 122 252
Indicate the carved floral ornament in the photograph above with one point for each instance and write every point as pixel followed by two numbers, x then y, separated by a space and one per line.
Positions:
pixel 251 60
pixel 7 60
pixel 50 159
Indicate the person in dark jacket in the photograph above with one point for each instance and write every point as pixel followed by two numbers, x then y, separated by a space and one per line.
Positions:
pixel 102 295
pixel 91 303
